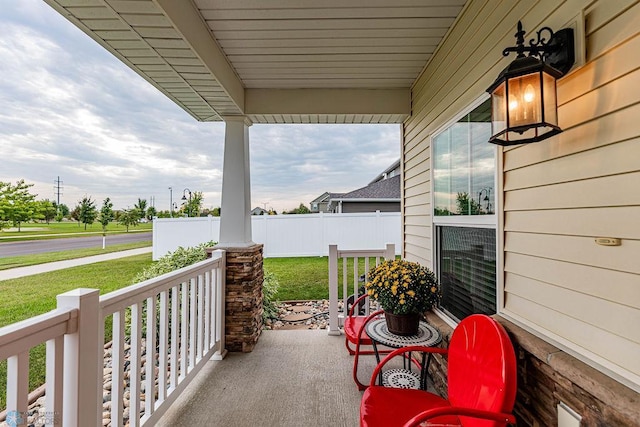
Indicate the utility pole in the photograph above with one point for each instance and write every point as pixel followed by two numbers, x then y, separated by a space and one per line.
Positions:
pixel 57 192
pixel 171 201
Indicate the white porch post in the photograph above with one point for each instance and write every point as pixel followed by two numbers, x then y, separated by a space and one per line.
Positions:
pixel 82 385
pixel 235 219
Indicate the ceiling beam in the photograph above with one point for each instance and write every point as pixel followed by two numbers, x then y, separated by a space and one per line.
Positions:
pixel 188 22
pixel 328 101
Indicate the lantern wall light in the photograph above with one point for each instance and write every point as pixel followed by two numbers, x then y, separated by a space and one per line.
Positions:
pixel 523 97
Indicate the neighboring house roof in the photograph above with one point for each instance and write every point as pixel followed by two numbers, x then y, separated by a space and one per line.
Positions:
pixel 386 189
pixel 258 211
pixel 321 198
pixel 394 168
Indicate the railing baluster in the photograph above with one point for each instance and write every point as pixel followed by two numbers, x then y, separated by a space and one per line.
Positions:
pixel 163 346
pixel 192 323
pixel 53 388
pixel 134 367
pixel 366 280
pixel 219 308
pixel 184 330
pixel 117 368
pixel 175 315
pixel 345 285
pixel 207 310
pixel 18 383
pixel 355 283
pixel 150 372
pixel 200 316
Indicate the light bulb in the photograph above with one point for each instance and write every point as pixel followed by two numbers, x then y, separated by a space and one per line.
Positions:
pixel 529 94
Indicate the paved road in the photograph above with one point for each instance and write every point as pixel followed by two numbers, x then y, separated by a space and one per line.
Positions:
pixel 55 245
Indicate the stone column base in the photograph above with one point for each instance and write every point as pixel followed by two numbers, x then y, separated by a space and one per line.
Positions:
pixel 243 303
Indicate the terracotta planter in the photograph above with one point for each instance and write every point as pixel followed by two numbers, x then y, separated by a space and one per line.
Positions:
pixel 402 324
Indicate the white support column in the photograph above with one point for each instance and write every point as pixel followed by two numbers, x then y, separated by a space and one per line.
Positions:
pixel 82 381
pixel 235 219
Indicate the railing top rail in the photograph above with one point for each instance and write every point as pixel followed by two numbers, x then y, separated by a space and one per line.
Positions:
pixel 21 336
pixel 122 298
pixel 344 253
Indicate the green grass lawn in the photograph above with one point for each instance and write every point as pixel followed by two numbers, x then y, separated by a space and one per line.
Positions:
pixel 42 230
pixel 307 278
pixel 34 259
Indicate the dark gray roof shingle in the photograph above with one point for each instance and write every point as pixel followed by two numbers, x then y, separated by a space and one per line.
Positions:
pixel 385 189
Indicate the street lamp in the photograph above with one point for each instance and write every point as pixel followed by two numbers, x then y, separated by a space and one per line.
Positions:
pixel 171 201
pixel 184 199
pixel 487 192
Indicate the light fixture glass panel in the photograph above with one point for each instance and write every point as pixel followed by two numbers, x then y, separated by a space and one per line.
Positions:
pixel 499 109
pixel 525 100
pixel 550 104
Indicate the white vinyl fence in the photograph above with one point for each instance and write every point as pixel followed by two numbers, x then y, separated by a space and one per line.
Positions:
pixel 287 235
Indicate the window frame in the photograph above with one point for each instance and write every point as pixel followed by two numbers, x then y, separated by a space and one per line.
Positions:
pixel 492 221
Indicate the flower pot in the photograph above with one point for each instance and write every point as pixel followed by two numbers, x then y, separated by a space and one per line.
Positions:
pixel 402 324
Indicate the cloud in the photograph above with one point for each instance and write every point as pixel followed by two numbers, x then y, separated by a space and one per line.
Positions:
pixel 71 109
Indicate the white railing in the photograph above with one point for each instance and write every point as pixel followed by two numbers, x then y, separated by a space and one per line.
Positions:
pixel 163 331
pixel 287 235
pixel 15 342
pixel 350 259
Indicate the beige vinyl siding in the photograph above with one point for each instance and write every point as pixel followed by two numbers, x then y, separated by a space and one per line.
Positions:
pixel 558 195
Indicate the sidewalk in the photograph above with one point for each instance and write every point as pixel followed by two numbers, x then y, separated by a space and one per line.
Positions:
pixel 14 273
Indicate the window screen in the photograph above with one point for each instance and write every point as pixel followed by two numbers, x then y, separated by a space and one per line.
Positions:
pixel 467 270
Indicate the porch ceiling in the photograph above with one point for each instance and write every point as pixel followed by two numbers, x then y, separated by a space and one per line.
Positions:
pixel 277 61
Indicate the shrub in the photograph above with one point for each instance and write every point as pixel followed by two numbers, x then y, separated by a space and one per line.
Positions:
pixel 179 258
pixel 270 287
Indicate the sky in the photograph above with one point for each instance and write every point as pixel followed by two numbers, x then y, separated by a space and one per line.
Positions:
pixel 72 110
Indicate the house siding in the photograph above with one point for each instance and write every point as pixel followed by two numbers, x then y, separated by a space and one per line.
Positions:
pixel 359 207
pixel 558 195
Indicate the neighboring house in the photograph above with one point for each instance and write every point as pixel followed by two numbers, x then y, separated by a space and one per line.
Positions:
pixel 319 204
pixel 259 211
pixel 514 231
pixel 382 194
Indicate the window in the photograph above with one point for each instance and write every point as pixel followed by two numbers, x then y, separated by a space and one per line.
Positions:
pixel 464 214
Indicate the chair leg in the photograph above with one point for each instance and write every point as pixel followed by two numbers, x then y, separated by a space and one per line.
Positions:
pixel 352 351
pixel 356 359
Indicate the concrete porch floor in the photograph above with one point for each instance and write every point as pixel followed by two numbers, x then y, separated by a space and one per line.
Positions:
pixel 292 378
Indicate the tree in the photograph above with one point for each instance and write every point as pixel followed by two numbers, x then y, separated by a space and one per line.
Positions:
pixel 129 217
pixel 302 209
pixel 75 214
pixel 151 212
pixel 106 214
pixel 62 211
pixel 17 204
pixel 48 210
pixel 466 205
pixel 87 211
pixel 141 207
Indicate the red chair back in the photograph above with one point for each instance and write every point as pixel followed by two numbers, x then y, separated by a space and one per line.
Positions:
pixel 481 368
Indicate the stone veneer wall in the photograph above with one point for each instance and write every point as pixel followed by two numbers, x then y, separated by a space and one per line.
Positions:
pixel 548 375
pixel 243 304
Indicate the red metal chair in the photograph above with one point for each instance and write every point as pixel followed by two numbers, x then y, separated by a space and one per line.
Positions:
pixel 353 323
pixel 481 382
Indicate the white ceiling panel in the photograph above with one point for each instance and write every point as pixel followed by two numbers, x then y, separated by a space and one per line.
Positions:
pixel 206 55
